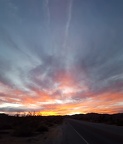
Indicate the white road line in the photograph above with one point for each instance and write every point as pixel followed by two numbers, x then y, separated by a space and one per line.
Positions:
pixel 79 134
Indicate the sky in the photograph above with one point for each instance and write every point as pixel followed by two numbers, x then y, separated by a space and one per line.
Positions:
pixel 61 57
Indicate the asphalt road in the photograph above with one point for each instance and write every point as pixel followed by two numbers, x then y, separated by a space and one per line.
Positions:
pixel 81 132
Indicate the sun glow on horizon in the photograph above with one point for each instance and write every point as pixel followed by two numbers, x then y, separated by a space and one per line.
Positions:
pixel 47 113
pixel 67 98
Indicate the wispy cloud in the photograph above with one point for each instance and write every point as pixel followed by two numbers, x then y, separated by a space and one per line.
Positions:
pixel 75 66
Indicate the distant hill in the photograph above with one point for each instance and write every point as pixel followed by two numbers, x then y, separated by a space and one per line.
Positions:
pixel 116 119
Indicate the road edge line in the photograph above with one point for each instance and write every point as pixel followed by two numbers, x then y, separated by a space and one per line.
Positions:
pixel 79 134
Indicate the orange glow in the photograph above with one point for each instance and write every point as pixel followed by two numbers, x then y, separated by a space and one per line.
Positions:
pixel 47 113
pixel 48 103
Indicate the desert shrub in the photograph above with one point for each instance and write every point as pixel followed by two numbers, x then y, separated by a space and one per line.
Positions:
pixel 119 122
pixel 42 128
pixel 5 127
pixel 24 127
pixel 23 131
pixel 50 124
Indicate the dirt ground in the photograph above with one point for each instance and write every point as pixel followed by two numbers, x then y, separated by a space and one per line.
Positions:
pixel 8 139
pixel 50 137
pixel 54 135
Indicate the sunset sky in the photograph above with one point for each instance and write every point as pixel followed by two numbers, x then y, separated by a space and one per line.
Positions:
pixel 61 57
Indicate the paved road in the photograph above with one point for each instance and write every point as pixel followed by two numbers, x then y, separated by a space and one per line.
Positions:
pixel 80 132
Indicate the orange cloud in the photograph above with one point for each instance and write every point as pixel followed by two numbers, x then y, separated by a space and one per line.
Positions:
pixel 103 103
pixel 46 103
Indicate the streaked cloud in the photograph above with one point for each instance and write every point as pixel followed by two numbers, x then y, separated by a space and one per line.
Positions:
pixel 61 56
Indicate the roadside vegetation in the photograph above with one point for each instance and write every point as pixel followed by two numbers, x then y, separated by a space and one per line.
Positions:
pixel 31 125
pixel 27 126
pixel 113 119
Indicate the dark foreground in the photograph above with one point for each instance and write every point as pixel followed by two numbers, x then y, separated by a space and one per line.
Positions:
pixel 80 132
pixel 75 129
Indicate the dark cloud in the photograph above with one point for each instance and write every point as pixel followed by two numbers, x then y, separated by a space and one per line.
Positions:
pixel 17 109
pixel 103 60
pixel 5 66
